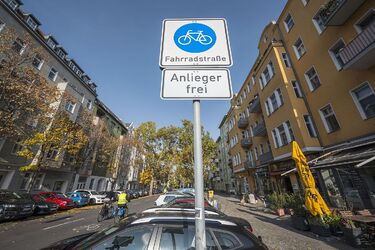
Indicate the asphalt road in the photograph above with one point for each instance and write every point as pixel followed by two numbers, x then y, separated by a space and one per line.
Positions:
pixel 40 231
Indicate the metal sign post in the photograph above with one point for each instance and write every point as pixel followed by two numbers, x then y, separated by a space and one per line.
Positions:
pixel 194 57
pixel 200 231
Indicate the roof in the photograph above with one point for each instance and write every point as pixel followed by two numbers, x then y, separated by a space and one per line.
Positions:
pixel 113 115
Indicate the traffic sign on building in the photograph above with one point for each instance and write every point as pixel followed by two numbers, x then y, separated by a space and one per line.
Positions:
pixel 195 43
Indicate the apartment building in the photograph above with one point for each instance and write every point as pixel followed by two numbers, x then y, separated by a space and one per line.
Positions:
pixel 65 73
pixel 312 82
pixel 223 179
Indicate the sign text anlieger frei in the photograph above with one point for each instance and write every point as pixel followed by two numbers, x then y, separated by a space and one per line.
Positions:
pixel 195 54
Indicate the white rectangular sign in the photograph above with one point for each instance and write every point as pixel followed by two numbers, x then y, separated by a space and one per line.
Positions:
pixel 195 43
pixel 191 84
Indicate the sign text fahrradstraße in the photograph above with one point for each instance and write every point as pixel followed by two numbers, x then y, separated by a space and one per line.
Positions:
pixel 195 43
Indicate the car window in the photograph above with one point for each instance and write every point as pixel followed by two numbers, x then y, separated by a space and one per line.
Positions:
pixel 94 193
pixel 132 238
pixel 227 240
pixel 168 198
pixel 182 238
pixel 47 195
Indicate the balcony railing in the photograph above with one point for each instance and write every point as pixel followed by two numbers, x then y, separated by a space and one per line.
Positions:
pixel 249 164
pixel 266 157
pixel 246 142
pixel 255 106
pixel 360 52
pixel 336 12
pixel 243 122
pixel 260 129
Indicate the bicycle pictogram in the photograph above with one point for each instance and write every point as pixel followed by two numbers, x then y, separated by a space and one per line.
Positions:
pixel 197 36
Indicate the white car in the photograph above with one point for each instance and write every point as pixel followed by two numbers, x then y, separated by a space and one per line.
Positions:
pixel 95 197
pixel 165 198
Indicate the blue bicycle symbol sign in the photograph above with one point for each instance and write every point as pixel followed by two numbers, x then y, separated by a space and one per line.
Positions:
pixel 195 37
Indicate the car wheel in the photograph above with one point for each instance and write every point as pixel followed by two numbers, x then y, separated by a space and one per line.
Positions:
pixel 92 201
pixel 75 204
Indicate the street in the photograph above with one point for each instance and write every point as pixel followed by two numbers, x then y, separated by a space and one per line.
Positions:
pixel 40 231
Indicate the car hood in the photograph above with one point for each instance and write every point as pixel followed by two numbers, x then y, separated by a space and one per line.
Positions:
pixel 98 196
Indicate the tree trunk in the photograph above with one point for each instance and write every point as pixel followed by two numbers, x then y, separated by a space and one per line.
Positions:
pixel 151 186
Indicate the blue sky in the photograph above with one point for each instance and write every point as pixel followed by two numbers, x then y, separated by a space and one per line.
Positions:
pixel 116 42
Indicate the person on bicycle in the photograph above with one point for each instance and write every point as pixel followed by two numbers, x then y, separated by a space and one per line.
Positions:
pixel 122 201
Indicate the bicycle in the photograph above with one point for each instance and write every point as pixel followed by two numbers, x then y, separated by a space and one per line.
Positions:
pixel 119 213
pixel 106 211
pixel 195 36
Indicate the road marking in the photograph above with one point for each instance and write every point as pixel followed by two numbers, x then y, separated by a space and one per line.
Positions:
pixel 58 225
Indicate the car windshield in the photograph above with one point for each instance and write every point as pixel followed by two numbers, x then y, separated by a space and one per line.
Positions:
pixel 61 195
pixel 9 196
pixel 94 193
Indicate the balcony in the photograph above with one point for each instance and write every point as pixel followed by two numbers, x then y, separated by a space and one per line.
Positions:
pixel 255 106
pixel 246 142
pixel 249 164
pixel 243 122
pixel 336 12
pixel 360 52
pixel 266 157
pixel 260 129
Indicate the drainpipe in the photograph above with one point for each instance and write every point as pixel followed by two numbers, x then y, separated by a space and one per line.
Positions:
pixel 299 81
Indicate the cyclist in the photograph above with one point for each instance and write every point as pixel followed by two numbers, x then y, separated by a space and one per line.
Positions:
pixel 122 201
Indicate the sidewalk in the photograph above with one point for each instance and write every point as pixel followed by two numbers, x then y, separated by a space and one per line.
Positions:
pixel 277 232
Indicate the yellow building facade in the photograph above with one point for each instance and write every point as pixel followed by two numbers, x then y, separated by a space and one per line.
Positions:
pixel 312 82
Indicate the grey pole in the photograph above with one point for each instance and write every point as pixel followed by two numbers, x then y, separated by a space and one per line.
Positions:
pixel 200 232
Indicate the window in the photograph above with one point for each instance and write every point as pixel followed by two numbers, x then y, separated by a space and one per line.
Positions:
pixel 290 130
pixel 297 89
pixel 2 25
pixel 38 181
pixel 228 240
pixel 70 106
pixel 19 46
pixel 52 153
pixel 253 79
pixel 17 146
pixel 256 153
pixel 334 53
pixel 312 79
pixel 261 149
pixel 274 136
pixel 53 74
pixel 25 181
pixel 61 54
pixel 178 237
pixel 288 22
pixel 31 22
pixel 286 60
pixel 58 186
pixel 271 68
pixel 299 48
pixel 364 98
pixel 365 21
pixel 318 23
pixel 274 102
pixel 51 43
pixel 282 135
pixel 89 104
pixel 309 125
pixel 329 119
pixel 37 62
pixel 12 4
pixel 261 82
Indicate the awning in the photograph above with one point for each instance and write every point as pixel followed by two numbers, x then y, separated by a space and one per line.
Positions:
pixel 357 156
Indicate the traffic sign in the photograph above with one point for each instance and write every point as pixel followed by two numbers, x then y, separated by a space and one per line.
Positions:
pixel 196 84
pixel 195 43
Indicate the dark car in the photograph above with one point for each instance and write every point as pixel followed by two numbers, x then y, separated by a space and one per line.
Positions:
pixel 12 205
pixel 161 230
pixel 42 206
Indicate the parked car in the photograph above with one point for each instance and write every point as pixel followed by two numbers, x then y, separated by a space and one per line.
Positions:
pixel 60 199
pixel 12 206
pixel 132 194
pixel 95 197
pixel 79 199
pixel 165 198
pixel 184 202
pixel 158 230
pixel 42 206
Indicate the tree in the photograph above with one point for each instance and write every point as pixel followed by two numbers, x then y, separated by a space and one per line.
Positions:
pixel 25 95
pixel 185 157
pixel 48 147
